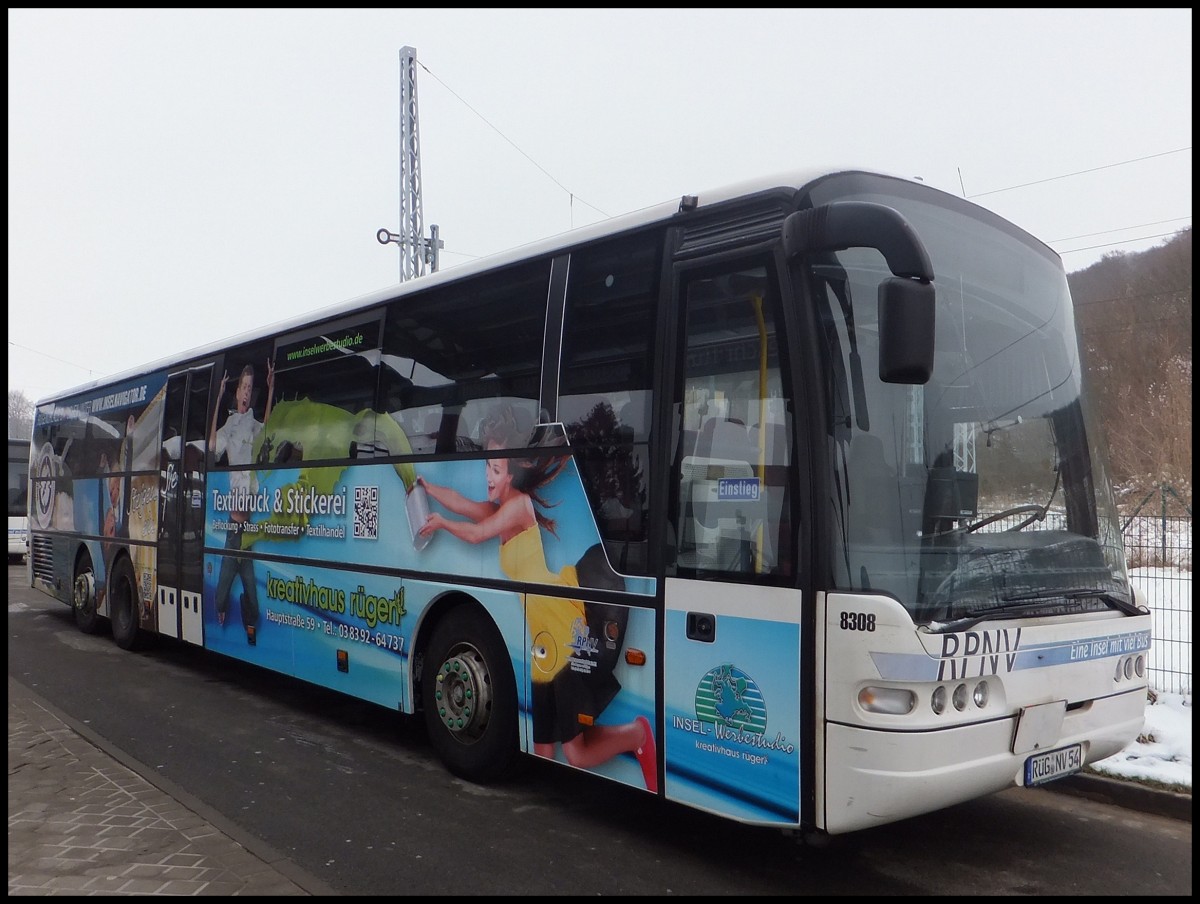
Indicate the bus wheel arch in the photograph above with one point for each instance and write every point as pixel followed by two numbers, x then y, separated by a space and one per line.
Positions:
pixel 468 693
pixel 123 608
pixel 84 603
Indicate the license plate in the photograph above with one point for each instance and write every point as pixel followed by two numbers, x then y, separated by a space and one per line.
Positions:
pixel 1046 767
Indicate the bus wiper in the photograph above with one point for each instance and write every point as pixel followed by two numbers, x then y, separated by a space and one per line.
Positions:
pixel 1087 593
pixel 975 616
pixel 1033 603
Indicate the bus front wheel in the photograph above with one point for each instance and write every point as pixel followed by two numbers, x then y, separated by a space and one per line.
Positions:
pixel 469 697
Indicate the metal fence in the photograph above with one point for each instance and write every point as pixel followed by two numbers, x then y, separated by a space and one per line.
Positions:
pixel 1158 547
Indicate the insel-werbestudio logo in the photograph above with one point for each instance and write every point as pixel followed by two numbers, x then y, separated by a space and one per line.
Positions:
pixel 728 697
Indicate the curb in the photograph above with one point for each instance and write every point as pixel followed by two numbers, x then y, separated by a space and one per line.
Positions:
pixel 1130 795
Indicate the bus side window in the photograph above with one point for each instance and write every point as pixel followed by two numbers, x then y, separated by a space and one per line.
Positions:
pixel 605 384
pixel 346 383
pixel 733 471
pixel 451 353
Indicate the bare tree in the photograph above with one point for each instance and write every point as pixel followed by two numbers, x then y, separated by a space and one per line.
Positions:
pixel 20 415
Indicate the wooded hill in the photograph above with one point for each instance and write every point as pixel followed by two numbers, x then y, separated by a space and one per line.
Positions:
pixel 1134 312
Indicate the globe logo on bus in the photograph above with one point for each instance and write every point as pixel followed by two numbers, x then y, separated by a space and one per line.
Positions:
pixel 44 489
pixel 728 696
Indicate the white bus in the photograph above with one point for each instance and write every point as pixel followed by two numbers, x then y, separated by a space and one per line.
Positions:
pixel 18 499
pixel 785 502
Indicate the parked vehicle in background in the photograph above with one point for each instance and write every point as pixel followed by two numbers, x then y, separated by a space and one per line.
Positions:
pixel 18 499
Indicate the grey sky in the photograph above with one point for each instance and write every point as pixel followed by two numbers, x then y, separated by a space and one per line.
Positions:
pixel 179 176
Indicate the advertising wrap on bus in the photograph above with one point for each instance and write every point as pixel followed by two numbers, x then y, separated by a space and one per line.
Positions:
pixel 732 725
pixel 352 630
pixel 786 502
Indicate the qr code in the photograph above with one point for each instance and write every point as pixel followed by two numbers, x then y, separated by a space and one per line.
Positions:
pixel 366 513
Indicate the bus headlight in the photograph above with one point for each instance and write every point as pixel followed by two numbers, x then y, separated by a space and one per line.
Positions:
pixel 893 701
pixel 982 692
pixel 938 700
pixel 960 697
pixel 1128 666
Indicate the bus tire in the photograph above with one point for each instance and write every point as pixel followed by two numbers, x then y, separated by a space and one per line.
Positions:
pixel 123 606
pixel 83 598
pixel 469 697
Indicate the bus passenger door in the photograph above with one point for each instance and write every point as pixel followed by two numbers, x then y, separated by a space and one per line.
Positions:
pixel 732 638
pixel 181 498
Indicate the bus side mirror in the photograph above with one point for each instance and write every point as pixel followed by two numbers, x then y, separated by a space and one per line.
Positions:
pixel 905 331
pixel 859 224
pixel 906 299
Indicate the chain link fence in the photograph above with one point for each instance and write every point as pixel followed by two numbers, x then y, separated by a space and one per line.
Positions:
pixel 1158 547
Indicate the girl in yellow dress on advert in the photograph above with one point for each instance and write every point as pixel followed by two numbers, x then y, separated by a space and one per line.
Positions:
pixel 569 688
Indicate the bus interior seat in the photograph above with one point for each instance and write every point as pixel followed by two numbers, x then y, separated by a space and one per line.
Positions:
pixel 872 511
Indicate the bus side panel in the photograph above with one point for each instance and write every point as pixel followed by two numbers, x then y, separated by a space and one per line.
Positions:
pixel 73 508
pixel 143 526
pixel 733 700
pixel 621 693
pixel 347 631
pixel 353 630
pixel 90 463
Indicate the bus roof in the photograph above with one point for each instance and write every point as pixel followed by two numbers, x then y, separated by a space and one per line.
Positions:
pixel 789 181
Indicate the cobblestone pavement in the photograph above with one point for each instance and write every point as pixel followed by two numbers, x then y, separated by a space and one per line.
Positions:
pixel 82 823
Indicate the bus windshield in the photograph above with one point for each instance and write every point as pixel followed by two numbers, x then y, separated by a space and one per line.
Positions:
pixel 981 493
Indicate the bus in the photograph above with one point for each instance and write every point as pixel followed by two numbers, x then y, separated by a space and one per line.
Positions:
pixel 18 499
pixel 785 502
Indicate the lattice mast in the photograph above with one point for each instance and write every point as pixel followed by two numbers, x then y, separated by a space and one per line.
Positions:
pixel 416 251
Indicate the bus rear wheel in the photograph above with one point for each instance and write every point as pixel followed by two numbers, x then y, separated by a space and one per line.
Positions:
pixel 469 697
pixel 83 598
pixel 123 606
